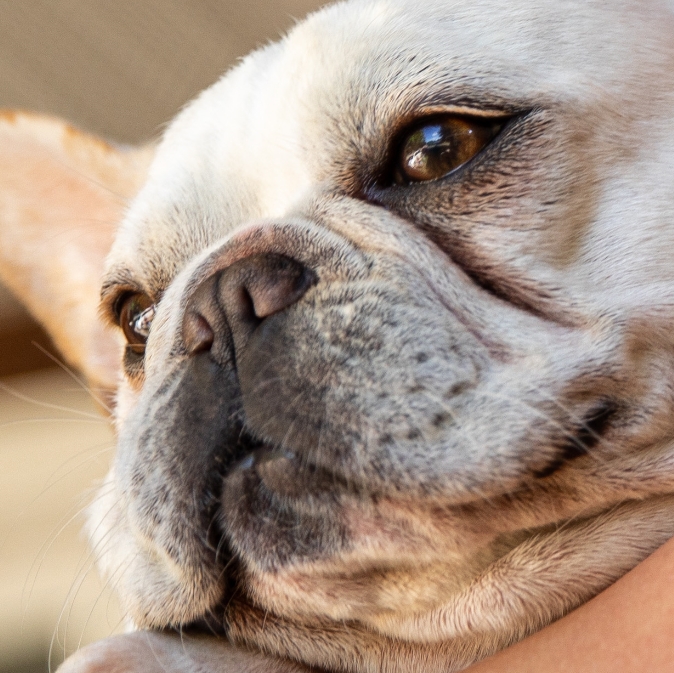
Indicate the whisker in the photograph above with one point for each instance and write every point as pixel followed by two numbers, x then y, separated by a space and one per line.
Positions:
pixel 46 405
pixel 34 571
pixel 88 564
pixel 94 452
pixel 82 384
pixel 109 582
pixel 28 421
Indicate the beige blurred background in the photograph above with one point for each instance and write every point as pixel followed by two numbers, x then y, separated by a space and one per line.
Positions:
pixel 121 69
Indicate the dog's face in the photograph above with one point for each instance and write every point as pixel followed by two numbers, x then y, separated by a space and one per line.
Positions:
pixel 398 295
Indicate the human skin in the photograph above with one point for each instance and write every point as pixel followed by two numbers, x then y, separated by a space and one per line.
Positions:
pixel 628 627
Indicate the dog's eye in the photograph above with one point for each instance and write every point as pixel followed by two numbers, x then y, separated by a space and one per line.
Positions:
pixel 440 145
pixel 135 318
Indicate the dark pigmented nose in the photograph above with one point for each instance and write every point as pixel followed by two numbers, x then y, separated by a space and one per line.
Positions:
pixel 237 299
pixel 264 284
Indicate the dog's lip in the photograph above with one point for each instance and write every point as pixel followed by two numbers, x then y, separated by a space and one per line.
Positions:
pixel 292 475
pixel 286 473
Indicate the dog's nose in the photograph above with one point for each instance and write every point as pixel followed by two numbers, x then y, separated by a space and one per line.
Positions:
pixel 237 299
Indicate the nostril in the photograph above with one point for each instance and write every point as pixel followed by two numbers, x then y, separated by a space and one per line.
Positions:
pixel 245 306
pixel 198 335
pixel 274 282
pixel 259 286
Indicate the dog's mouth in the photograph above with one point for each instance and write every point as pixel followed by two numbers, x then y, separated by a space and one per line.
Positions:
pixel 264 462
pixel 571 439
pixel 288 476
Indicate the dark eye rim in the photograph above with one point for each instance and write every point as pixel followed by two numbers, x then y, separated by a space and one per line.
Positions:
pixel 385 177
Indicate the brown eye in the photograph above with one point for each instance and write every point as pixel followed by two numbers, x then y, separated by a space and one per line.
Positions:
pixel 135 317
pixel 441 145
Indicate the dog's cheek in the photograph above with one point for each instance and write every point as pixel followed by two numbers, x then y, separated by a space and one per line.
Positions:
pixel 148 518
pixel 516 218
pixel 349 382
pixel 153 591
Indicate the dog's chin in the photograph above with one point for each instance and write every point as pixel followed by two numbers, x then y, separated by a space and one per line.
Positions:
pixel 301 553
pixel 507 589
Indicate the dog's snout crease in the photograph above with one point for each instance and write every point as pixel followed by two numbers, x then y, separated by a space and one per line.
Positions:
pixel 241 296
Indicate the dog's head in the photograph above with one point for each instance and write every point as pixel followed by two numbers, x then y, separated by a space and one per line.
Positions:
pixel 397 296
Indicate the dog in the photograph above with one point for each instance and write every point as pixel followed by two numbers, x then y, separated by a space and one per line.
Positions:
pixel 388 332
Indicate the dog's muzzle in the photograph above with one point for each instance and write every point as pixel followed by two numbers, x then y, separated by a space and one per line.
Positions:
pixel 193 431
pixel 219 318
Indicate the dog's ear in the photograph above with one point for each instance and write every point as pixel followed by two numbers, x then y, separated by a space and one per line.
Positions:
pixel 62 195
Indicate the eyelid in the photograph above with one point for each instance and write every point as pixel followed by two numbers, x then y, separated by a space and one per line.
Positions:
pixel 114 304
pixel 112 299
pixel 420 115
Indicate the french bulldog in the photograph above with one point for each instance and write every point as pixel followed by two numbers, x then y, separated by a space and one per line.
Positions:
pixel 386 320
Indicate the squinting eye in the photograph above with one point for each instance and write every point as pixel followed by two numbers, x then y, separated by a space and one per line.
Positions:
pixel 135 318
pixel 440 145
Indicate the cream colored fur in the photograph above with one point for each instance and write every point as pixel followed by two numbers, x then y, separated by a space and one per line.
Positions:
pixel 487 318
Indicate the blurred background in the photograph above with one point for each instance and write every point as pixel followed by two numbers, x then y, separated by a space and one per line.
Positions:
pixel 120 69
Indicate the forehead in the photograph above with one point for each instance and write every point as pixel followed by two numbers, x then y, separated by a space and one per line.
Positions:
pixel 272 129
